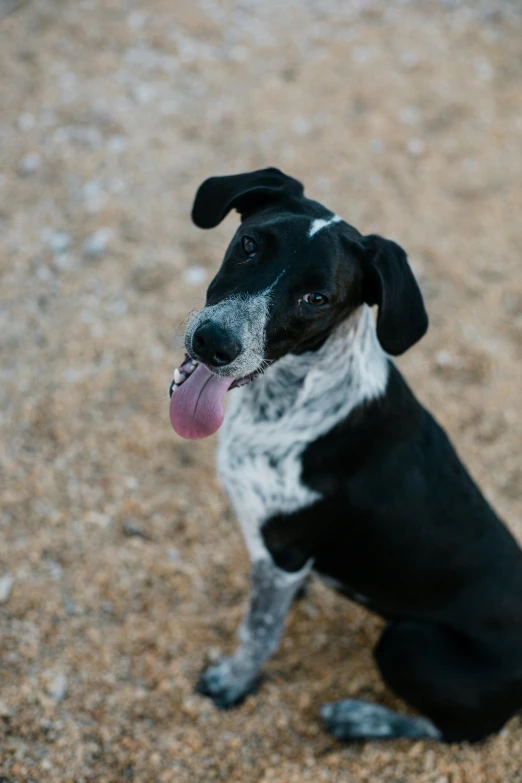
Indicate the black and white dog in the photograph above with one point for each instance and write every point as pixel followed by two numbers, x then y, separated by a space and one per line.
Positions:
pixel 332 465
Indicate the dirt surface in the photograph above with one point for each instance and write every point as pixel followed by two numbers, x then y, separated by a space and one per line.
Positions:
pixel 122 571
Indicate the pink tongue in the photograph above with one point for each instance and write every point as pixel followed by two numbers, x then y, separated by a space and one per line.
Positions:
pixel 196 407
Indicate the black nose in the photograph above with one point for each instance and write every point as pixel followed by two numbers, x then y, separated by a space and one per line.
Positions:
pixel 215 346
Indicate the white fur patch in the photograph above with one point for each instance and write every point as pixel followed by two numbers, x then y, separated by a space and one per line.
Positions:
pixel 270 422
pixel 319 223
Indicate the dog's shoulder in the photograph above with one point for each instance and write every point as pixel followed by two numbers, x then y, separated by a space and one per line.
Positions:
pixel 368 433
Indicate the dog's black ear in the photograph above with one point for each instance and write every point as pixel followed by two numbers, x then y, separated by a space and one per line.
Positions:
pixel 390 284
pixel 244 192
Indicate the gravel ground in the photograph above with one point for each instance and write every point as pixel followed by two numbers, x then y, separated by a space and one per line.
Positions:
pixel 122 571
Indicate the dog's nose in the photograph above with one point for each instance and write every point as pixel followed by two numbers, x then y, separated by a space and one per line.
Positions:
pixel 214 346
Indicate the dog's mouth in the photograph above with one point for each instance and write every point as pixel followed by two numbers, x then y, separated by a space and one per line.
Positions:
pixel 196 398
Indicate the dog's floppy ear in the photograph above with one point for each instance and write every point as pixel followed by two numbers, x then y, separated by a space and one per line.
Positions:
pixel 390 284
pixel 244 192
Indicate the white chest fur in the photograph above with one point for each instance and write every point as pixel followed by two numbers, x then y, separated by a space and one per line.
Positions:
pixel 270 423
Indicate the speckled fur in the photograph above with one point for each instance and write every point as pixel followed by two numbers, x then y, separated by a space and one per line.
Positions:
pixel 246 317
pixel 270 423
pixel 352 719
pixel 267 428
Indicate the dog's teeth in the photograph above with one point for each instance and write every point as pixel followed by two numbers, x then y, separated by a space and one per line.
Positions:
pixel 179 377
pixel 194 363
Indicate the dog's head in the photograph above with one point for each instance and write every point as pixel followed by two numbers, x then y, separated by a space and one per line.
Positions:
pixel 291 273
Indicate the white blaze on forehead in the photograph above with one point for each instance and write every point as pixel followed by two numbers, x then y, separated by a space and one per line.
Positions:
pixel 319 223
pixel 273 285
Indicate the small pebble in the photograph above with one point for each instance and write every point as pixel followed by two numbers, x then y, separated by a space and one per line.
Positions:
pixel 132 529
pixel 57 687
pixel 117 144
pixel 195 275
pixel 26 122
pixel 444 359
pixel 415 147
pixel 70 608
pixel 58 242
pixel 63 261
pixel 96 245
pixel 6 585
pixel 5 711
pixel 29 164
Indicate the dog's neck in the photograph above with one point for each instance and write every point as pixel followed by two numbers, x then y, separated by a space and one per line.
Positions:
pixel 350 366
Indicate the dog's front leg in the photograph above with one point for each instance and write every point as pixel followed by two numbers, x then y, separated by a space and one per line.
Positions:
pixel 234 677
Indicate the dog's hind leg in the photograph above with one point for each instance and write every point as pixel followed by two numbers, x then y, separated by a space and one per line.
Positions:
pixel 353 719
pixel 465 689
pixel 272 592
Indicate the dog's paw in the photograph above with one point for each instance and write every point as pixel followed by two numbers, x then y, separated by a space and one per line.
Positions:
pixel 226 687
pixel 351 719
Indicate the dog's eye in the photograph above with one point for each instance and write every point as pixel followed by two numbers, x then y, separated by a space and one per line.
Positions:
pixel 249 245
pixel 317 300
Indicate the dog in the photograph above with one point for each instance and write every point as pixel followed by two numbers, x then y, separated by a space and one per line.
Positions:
pixel 332 466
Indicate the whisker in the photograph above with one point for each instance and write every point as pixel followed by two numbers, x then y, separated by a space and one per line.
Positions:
pixel 184 321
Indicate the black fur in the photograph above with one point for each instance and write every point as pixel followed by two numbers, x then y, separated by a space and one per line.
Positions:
pixel 400 523
pixel 244 192
pixel 352 268
pixel 389 283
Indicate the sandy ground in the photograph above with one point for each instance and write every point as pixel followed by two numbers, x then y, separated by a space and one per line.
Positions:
pixel 122 571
